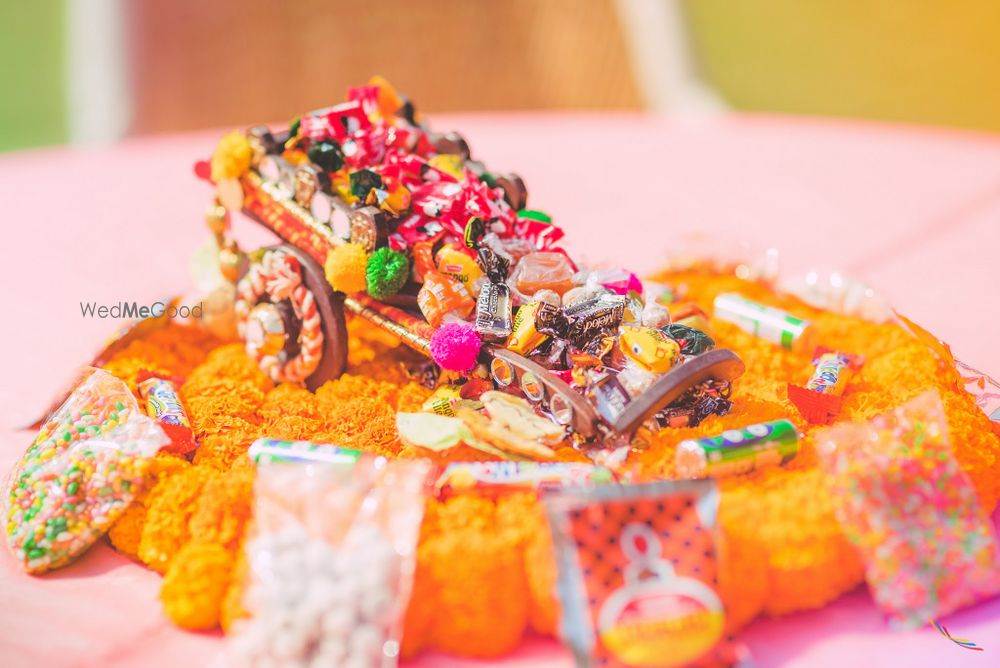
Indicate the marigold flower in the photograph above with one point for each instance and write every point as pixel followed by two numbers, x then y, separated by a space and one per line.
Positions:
pixel 485 570
pixel 195 584
pixel 170 505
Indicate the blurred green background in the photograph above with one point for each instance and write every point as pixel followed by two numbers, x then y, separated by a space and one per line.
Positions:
pixel 32 73
pixel 932 62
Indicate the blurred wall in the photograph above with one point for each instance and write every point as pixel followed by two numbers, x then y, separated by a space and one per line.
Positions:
pixel 228 62
pixel 919 61
pixel 32 78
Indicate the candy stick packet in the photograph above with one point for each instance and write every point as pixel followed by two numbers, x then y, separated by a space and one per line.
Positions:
pixel 86 465
pixel 331 555
pixel 638 575
pixel 901 498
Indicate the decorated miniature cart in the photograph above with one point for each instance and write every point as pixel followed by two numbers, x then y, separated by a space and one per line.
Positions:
pixel 368 175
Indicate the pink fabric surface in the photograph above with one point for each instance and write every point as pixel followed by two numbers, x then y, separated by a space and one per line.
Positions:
pixel 915 212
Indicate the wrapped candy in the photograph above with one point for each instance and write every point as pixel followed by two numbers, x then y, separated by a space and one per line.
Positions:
pixel 692 341
pixel 525 336
pixel 819 401
pixel 737 451
pixel 460 265
pixel 163 403
pixel 543 271
pixel 506 476
pixel 493 312
pixel 441 295
pixel 277 450
pixel 85 467
pixel 649 348
pixel 637 571
pixel 592 319
pixel 928 547
pixel 768 323
pixel 330 562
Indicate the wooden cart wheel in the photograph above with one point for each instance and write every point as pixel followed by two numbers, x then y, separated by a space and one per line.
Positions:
pixel 291 320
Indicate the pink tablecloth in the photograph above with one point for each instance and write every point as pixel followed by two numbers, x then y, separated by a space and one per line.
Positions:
pixel 914 212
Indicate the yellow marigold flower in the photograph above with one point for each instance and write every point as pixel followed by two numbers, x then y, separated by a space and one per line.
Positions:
pixel 171 503
pixel 486 562
pixel 195 585
pixel 126 533
pixel 223 508
pixel 478 581
pixel 232 603
pixel 231 158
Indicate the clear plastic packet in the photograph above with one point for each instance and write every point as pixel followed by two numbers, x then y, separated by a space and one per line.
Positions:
pixel 985 390
pixel 835 292
pixel 901 498
pixel 637 574
pixel 79 475
pixel 331 556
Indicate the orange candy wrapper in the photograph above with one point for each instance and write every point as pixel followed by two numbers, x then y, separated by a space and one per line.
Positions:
pixel 440 294
pixel 638 570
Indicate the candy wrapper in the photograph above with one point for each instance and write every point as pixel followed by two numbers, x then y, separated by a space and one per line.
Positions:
pixel 638 566
pixel 330 561
pixel 84 468
pixel 737 451
pixel 502 477
pixel 819 401
pixel 163 403
pixel 929 548
pixel 277 450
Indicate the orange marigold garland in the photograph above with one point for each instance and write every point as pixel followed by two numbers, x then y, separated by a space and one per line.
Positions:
pixel 484 571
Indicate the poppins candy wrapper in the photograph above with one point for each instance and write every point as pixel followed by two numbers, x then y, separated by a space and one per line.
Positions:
pixel 928 547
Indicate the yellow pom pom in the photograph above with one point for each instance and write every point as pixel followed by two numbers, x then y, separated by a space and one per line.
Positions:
pixel 345 268
pixel 231 158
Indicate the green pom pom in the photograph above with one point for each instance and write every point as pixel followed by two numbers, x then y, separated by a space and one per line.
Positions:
pixel 386 272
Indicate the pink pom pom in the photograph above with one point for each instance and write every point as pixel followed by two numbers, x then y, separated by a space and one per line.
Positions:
pixel 455 347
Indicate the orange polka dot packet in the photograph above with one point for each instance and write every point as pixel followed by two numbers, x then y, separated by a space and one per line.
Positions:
pixel 902 499
pixel 638 575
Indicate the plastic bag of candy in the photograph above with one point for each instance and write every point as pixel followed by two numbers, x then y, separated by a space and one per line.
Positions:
pixel 331 559
pixel 637 570
pixel 928 547
pixel 84 468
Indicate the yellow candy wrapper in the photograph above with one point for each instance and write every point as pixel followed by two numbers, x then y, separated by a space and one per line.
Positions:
pixel 649 348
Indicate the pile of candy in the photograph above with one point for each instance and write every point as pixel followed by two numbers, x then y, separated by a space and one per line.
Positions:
pixel 484 554
pixel 929 548
pixel 409 218
pixel 86 465
pixel 620 560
